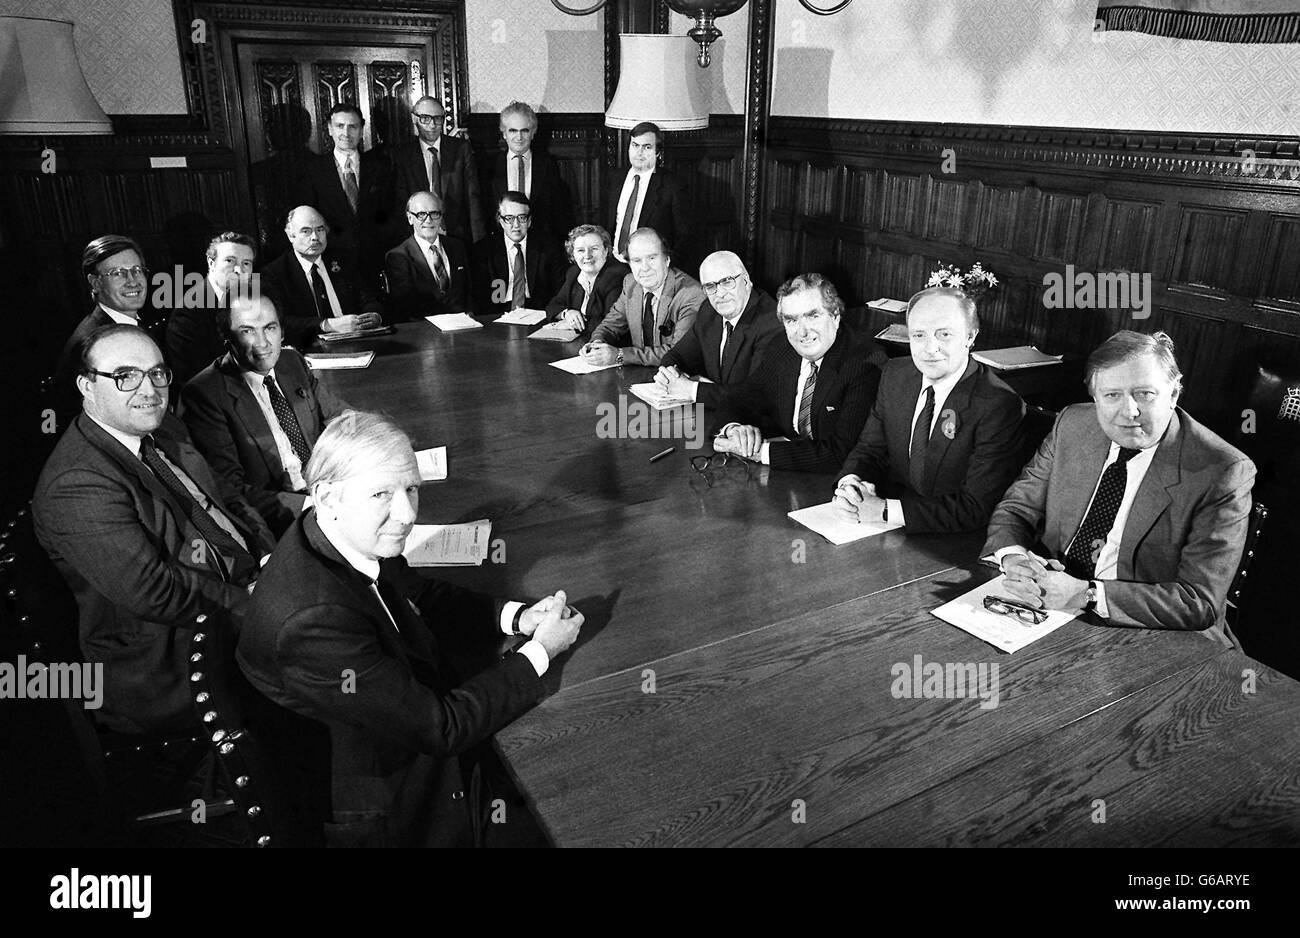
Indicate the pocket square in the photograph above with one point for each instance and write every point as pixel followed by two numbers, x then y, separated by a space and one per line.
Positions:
pixel 829 409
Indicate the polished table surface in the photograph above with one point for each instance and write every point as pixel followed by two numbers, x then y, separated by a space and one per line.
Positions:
pixel 735 679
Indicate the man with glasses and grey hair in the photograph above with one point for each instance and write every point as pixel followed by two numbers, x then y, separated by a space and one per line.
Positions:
pixel 428 273
pixel 341 630
pixel 443 165
pixel 523 168
pixel 150 540
pixel 734 326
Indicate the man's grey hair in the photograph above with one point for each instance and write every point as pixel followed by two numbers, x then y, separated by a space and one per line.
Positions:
pixel 356 442
pixel 664 247
pixel 831 303
pixel 1126 345
pixel 520 108
pixel 415 195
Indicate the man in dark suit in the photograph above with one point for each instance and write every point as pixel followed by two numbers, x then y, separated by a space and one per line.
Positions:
pixel 654 312
pixel 149 540
pixel 534 173
pixel 649 196
pixel 333 633
pixel 315 290
pixel 1130 510
pixel 354 192
pixel 815 389
pixel 735 325
pixel 593 283
pixel 256 413
pixel 512 269
pixel 196 334
pixel 428 273
pixel 437 163
pixel 943 440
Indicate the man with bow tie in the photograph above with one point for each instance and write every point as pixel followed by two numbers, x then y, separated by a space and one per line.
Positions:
pixel 428 272
pixel 1131 510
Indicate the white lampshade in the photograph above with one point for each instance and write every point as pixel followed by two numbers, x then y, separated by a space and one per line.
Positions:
pixel 658 81
pixel 42 90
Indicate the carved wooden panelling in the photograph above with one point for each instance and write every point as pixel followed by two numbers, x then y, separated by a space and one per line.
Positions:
pixel 1281 270
pixel 1059 232
pixel 859 205
pixel 336 83
pixel 783 185
pixel 278 85
pixel 820 198
pixel 903 202
pixel 1128 236
pixel 946 209
pixel 997 214
pixel 390 109
pixel 1206 249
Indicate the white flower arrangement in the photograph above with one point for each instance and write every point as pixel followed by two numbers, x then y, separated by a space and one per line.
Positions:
pixel 974 283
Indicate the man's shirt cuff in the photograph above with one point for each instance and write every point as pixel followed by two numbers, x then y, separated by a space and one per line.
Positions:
pixel 536 655
pixel 764 453
pixel 508 611
pixel 1101 608
pixel 895 509
pixel 695 390
pixel 1002 552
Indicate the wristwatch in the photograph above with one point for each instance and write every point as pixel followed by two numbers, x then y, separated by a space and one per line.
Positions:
pixel 619 360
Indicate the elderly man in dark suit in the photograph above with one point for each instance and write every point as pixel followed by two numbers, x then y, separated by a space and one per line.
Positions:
pixel 341 631
pixel 256 413
pixel 521 168
pixel 435 162
pixel 354 191
pixel 1130 510
pixel 654 312
pixel 148 539
pixel 815 390
pixel 513 269
pixel 196 334
pixel 313 288
pixel 593 282
pixel 943 440
pixel 649 196
pixel 735 325
pixel 428 273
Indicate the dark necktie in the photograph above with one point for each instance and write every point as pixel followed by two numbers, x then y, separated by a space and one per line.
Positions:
pixel 726 344
pixel 519 166
pixel 805 403
pixel 920 440
pixel 288 421
pixel 435 172
pixel 625 227
pixel 218 539
pixel 322 298
pixel 350 184
pixel 518 297
pixel 439 269
pixel 648 321
pixel 1081 557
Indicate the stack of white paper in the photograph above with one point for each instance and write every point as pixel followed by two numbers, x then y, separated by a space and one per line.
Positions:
pixel 432 463
pixel 578 366
pixel 1008 633
pixel 554 332
pixel 454 322
pixel 825 520
pixel 522 317
pixel 885 304
pixel 448 545
pixel 327 361
pixel 654 395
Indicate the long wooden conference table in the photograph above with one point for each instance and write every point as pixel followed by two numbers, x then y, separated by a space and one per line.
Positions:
pixel 735 683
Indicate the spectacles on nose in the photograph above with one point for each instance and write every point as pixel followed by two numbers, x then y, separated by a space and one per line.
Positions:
pixel 717 286
pixel 1002 606
pixel 424 216
pixel 128 379
pixel 308 232
pixel 126 273
pixel 513 220
pixel 427 120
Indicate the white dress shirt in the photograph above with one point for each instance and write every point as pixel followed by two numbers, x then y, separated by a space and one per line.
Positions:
pixel 288 458
pixel 122 319
pixel 636 210
pixel 336 309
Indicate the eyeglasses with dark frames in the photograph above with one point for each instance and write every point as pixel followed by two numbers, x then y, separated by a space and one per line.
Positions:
pixel 429 119
pixel 128 379
pixel 514 219
pixel 425 216
pixel 1002 606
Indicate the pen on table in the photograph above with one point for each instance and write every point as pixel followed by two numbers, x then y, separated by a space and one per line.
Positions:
pixel 658 456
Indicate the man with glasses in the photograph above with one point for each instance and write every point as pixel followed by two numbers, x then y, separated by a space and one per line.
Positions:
pixel 735 324
pixel 150 541
pixel 314 288
pixel 441 164
pixel 513 270
pixel 428 273
pixel 195 334
pixel 256 413
pixel 522 168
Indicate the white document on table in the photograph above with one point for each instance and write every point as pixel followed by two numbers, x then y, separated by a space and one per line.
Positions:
pixel 554 332
pixel 826 521
pixel 578 366
pixel 432 463
pixel 653 395
pixel 454 322
pixel 330 361
pixel 1007 633
pixel 522 317
pixel 448 545
pixel 885 304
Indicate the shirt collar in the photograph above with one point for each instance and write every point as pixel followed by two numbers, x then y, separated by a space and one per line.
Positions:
pixel 341 157
pixel 510 245
pixel 427 244
pixel 126 319
pixel 256 381
pixel 129 440
pixel 307 265
pixel 943 387
pixel 367 567
pixel 643 173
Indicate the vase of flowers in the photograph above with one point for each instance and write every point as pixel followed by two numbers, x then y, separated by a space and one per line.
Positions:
pixel 974 283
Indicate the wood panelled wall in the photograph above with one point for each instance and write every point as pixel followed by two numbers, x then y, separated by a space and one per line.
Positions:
pixel 871 206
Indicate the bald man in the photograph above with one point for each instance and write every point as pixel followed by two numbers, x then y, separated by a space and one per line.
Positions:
pixel 428 273
pixel 735 324
pixel 315 290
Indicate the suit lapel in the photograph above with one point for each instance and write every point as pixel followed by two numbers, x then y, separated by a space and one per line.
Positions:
pixel 293 383
pixel 1082 477
pixel 251 416
pixel 1153 495
pixel 955 407
pixel 900 424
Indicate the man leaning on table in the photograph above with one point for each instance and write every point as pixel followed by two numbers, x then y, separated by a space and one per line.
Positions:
pixel 654 312
pixel 726 343
pixel 1130 509
pixel 812 392
pixel 942 442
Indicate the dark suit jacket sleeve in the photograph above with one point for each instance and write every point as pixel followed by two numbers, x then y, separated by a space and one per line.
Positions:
pixel 827 452
pixel 298 330
pixel 1207 563
pixel 318 644
pixel 560 301
pixel 991 466
pixel 613 328
pixel 185 343
pixel 401 283
pixel 1019 517
pixel 711 395
pixel 89 518
pixel 869 459
pixel 686 355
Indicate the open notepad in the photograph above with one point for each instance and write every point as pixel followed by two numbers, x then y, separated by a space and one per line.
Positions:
pixel 522 317
pixel 654 395
pixel 448 545
pixel 1008 633
pixel 826 521
pixel 577 366
pixel 454 322
pixel 554 332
